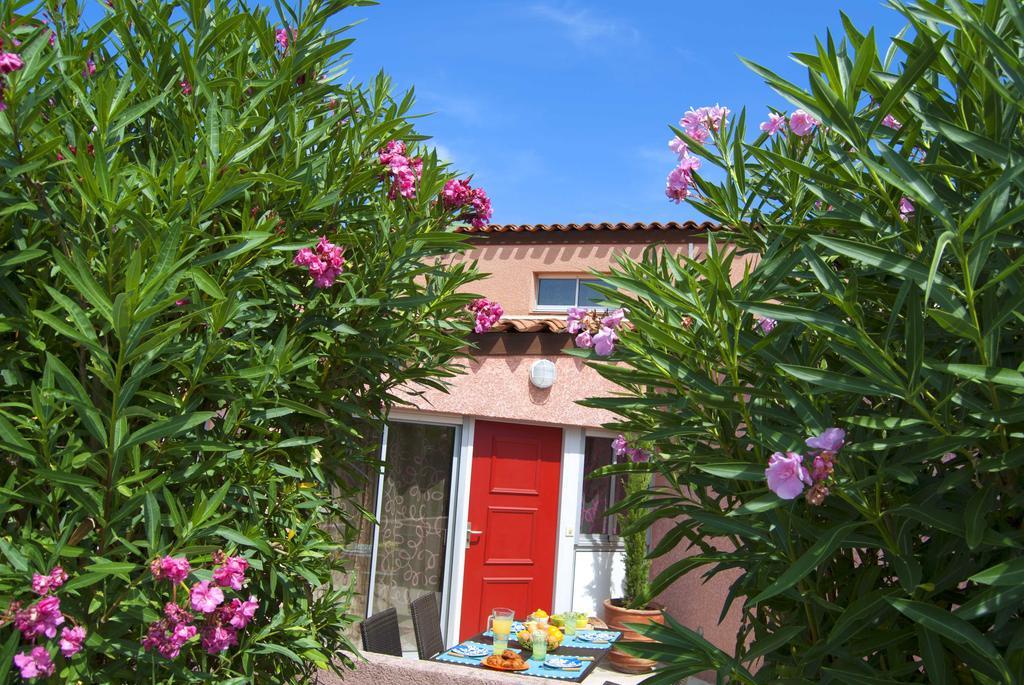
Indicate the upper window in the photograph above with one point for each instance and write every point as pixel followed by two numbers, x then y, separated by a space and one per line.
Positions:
pixel 562 293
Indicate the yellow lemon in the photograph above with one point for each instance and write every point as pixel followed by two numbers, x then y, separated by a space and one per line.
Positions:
pixel 540 613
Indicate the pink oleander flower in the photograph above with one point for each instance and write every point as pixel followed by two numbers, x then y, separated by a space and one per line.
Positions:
pixel 205 598
pixel 892 122
pixel 906 209
pixel 283 37
pixel 168 635
pixel 42 585
pixel 830 440
pixel 786 474
pixel 699 123
pixel 680 179
pixel 404 173
pixel 186 87
pixel 638 455
pixel 487 314
pixel 392 149
pixel 325 263
pixel 802 123
pixel 767 324
pixel 71 640
pixel 239 613
pixel 42 618
pixel 218 638
pixel 482 211
pixel 584 340
pixel 679 146
pixel 172 569
pixel 621 448
pixel 694 124
pixel 232 573
pixel 604 341
pixel 615 319
pixel 816 494
pixel 90 68
pixel 10 62
pixel 775 123
pixel 458 194
pixel 34 664
pixel 821 468
pixel 574 319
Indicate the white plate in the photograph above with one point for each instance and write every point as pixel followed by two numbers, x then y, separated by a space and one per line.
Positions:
pixel 592 636
pixel 469 651
pixel 570 662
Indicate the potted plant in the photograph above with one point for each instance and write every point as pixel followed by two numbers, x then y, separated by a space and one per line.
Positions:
pixel 635 606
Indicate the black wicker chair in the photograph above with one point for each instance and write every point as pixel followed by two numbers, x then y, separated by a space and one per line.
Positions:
pixel 426 621
pixel 380 633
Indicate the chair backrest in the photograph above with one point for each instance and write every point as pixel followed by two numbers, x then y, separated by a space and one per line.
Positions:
pixel 426 621
pixel 380 633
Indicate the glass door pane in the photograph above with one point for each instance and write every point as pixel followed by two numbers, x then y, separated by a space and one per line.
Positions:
pixel 413 536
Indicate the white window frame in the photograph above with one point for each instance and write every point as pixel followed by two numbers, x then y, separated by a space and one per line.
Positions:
pixel 538 307
pixel 594 540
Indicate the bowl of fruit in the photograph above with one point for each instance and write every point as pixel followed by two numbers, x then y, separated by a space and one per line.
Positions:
pixel 555 637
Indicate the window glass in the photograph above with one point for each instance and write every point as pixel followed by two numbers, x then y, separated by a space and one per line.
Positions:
pixel 413 519
pixel 598 493
pixel 588 296
pixel 556 292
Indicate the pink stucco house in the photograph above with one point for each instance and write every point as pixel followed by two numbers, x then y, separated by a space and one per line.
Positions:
pixel 483 498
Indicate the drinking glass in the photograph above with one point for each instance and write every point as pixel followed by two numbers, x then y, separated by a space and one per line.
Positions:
pixel 540 644
pixel 500 623
pixel 570 623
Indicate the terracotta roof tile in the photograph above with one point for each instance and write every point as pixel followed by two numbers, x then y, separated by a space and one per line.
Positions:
pixel 692 226
pixel 530 325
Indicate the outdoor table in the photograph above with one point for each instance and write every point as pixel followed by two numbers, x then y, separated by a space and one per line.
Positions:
pixel 570 647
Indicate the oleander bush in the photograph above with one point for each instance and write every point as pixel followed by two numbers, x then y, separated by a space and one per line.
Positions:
pixel 218 263
pixel 835 391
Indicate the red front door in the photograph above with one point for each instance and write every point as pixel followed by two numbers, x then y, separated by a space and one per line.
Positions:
pixel 513 503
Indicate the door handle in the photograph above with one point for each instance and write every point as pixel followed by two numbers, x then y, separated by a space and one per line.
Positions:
pixel 469 532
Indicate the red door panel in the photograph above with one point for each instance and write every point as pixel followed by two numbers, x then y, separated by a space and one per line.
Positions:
pixel 513 500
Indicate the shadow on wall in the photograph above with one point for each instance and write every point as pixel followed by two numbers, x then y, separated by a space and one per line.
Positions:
pixel 601 585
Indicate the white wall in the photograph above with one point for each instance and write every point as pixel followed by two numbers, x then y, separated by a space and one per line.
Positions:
pixel 600 573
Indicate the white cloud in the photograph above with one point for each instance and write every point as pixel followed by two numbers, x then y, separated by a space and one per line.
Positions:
pixel 465 109
pixel 444 153
pixel 584 27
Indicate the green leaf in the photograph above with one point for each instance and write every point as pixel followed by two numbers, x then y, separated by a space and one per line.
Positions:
pixel 244 540
pixel 1002 574
pixel 206 283
pixel 836 382
pixel 734 470
pixel 977 372
pixel 167 428
pixel 112 568
pixel 826 545
pixel 954 629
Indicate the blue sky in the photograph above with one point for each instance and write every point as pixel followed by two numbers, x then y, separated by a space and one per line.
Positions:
pixel 560 108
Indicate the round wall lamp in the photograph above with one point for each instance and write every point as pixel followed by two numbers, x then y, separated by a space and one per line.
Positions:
pixel 543 374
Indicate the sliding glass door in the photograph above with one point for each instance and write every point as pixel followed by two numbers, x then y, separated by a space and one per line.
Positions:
pixel 411 541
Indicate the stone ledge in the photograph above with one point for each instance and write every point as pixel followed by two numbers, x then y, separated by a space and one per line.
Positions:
pixel 383 669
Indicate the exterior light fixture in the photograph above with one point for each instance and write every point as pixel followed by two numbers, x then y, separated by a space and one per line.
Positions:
pixel 543 374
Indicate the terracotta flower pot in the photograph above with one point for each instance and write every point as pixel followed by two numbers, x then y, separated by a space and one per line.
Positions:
pixel 617 617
